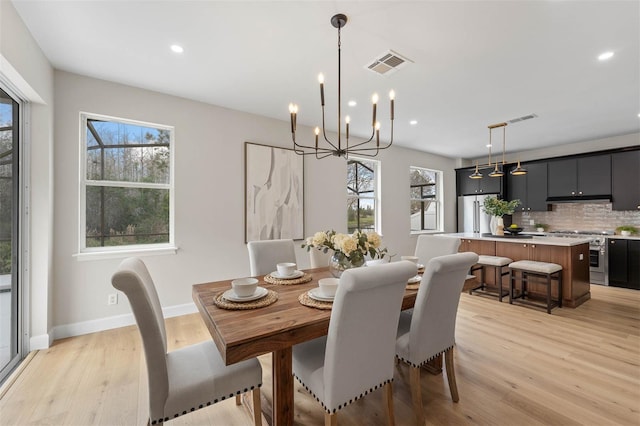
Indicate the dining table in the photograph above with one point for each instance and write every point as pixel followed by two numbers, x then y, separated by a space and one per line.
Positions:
pixel 247 333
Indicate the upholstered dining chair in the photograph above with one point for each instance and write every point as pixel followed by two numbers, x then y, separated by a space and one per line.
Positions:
pixel 189 378
pixel 430 246
pixel 265 255
pixel 356 357
pixel 318 258
pixel 429 330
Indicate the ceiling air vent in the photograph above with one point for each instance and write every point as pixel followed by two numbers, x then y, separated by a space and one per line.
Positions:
pixel 524 117
pixel 387 63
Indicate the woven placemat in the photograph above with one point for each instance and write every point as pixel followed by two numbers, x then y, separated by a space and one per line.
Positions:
pixel 303 279
pixel 305 300
pixel 223 303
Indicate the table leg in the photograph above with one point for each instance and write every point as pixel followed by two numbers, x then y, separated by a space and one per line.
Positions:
pixel 282 368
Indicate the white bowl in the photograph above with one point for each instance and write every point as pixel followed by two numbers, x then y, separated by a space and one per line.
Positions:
pixel 244 287
pixel 413 259
pixel 328 286
pixel 286 269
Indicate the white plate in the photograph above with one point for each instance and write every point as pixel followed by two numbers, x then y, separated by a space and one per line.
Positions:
pixel 415 279
pixel 296 274
pixel 259 294
pixel 315 294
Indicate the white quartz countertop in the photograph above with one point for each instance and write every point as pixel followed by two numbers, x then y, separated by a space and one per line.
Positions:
pixel 536 239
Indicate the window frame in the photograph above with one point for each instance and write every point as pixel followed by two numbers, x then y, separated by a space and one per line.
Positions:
pixel 438 199
pixel 377 199
pixel 87 253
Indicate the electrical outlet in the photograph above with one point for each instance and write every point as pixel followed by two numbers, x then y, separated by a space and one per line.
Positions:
pixel 112 299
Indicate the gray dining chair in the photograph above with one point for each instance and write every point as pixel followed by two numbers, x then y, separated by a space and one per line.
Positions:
pixel 318 258
pixel 430 246
pixel 265 255
pixel 189 378
pixel 429 330
pixel 357 355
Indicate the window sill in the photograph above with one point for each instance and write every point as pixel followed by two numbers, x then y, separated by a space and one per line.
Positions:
pixel 123 253
pixel 425 232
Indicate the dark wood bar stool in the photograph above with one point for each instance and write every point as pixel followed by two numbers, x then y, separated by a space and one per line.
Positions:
pixel 535 272
pixel 498 264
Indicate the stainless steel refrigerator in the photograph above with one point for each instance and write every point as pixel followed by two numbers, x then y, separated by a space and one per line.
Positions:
pixel 471 218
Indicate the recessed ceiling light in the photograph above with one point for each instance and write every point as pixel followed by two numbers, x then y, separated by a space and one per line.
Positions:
pixel 352 103
pixel 606 55
pixel 489 145
pixel 639 115
pixel 177 48
pixel 413 122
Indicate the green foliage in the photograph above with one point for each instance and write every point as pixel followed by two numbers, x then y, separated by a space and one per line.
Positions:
pixel 629 228
pixel 496 207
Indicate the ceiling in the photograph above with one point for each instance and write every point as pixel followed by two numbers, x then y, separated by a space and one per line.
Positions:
pixel 473 63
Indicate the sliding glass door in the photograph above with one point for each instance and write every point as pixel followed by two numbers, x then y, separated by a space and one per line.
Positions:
pixel 10 343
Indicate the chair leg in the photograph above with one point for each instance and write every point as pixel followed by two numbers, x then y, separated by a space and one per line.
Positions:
pixel 416 394
pixel 238 399
pixel 451 374
pixel 388 404
pixel 330 419
pixel 257 407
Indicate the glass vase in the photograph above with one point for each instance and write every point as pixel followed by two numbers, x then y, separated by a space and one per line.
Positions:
pixel 340 263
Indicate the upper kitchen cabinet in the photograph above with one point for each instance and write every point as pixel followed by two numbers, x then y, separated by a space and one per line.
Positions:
pixel 530 189
pixel 487 185
pixel 580 178
pixel 625 185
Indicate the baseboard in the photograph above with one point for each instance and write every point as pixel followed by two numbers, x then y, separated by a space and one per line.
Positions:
pixel 42 341
pixel 108 323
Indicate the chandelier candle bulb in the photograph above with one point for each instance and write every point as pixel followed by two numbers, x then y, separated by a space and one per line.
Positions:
pixel 377 133
pixel 392 96
pixel 374 100
pixel 317 132
pixel 347 120
pixel 321 81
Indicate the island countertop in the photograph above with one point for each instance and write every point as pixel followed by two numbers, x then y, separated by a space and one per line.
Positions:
pixel 537 239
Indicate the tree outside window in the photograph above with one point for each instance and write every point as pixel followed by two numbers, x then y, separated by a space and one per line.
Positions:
pixel 127 185
pixel 362 184
pixel 425 204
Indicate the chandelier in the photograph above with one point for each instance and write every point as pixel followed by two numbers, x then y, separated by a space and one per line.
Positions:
pixel 326 147
pixel 498 170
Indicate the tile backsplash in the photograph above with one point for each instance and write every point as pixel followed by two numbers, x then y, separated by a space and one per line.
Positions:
pixel 579 216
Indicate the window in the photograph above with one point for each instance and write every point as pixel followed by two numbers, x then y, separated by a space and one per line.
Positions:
pixel 126 184
pixel 426 205
pixel 362 191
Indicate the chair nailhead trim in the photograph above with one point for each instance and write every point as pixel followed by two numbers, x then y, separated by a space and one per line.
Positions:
pixel 423 362
pixel 208 403
pixel 345 403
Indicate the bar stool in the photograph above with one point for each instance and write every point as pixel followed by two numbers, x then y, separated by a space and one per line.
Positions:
pixel 496 262
pixel 542 273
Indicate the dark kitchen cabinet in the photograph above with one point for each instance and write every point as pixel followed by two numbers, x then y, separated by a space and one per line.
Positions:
pixel 487 185
pixel 624 263
pixel 530 189
pixel 580 177
pixel 625 180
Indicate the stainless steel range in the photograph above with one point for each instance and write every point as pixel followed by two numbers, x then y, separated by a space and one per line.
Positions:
pixel 598 259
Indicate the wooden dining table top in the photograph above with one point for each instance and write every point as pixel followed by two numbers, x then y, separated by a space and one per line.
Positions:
pixel 244 334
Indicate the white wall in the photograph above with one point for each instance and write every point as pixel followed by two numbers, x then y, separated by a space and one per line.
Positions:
pixel 209 196
pixel 26 68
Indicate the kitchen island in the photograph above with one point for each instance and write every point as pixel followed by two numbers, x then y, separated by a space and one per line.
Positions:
pixel 571 253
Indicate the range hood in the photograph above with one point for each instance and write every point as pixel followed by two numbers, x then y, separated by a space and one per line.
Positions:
pixel 580 199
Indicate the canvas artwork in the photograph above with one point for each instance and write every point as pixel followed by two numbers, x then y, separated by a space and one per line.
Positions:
pixel 274 185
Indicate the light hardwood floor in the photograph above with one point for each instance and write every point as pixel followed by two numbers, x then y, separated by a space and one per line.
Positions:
pixel 514 366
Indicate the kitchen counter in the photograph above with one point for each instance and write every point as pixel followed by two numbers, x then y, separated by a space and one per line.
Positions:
pixel 571 253
pixel 534 238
